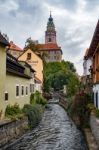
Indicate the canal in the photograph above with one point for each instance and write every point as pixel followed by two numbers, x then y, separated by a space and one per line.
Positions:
pixel 55 132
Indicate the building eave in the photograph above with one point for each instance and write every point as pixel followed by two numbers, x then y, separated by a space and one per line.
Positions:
pixel 12 72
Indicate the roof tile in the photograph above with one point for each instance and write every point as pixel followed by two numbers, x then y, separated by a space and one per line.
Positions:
pixel 14 47
pixel 48 46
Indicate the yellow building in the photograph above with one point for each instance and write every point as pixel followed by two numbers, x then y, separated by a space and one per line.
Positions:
pixel 16 79
pixel 35 61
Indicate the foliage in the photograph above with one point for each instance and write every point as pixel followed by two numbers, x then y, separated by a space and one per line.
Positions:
pixel 30 44
pixel 58 74
pixel 91 107
pixel 13 111
pixel 68 106
pixel 72 85
pixel 37 98
pixel 33 45
pixel 97 113
pixel 79 108
pixel 34 114
pixel 69 65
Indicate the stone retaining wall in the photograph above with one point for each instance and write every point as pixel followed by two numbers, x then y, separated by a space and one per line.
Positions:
pixel 94 124
pixel 62 102
pixel 11 130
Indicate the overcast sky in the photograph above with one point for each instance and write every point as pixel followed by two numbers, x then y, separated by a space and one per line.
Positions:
pixel 75 22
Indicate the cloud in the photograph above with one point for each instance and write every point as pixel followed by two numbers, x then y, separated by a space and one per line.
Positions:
pixel 75 21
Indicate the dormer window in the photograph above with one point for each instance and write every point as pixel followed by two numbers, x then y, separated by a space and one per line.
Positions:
pixel 28 56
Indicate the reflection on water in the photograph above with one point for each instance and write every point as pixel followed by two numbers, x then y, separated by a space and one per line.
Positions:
pixel 55 132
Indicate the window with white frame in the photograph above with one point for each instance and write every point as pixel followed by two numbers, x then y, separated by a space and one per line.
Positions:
pixel 30 88
pixel 22 90
pixel 17 90
pixel 26 90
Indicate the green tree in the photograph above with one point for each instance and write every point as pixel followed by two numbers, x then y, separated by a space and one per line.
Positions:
pixel 34 46
pixel 30 44
pixel 58 74
pixel 73 84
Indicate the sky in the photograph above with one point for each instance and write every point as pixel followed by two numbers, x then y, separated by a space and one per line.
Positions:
pixel 75 22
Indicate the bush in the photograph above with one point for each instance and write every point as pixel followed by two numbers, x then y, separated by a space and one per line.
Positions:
pixel 12 110
pixel 91 107
pixel 32 101
pixel 97 113
pixel 34 113
pixel 78 108
pixel 37 98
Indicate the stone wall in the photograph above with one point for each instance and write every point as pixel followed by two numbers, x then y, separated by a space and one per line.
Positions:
pixel 62 101
pixel 11 130
pixel 94 124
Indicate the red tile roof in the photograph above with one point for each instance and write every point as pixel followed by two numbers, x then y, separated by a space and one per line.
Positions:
pixel 48 46
pixel 14 47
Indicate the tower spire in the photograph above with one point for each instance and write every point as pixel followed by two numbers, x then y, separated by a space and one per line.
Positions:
pixel 50 34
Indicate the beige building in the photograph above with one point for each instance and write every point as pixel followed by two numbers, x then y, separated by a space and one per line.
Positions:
pixel 16 79
pixel 34 61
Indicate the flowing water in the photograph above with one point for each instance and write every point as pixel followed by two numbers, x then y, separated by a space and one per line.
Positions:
pixel 55 132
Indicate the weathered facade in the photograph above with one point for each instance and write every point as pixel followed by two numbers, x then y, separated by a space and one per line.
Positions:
pixel 16 80
pixel 3 44
pixel 93 53
pixel 86 64
pixel 86 78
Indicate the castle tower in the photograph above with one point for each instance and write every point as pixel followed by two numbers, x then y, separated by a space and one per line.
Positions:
pixel 50 33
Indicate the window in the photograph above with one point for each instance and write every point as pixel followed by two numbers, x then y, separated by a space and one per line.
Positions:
pixel 6 96
pixel 28 56
pixel 17 90
pixel 31 88
pixel 22 90
pixel 97 99
pixel 93 97
pixel 49 39
pixel 54 57
pixel 26 90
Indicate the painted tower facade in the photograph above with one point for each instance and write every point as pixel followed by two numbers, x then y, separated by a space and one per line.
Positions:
pixel 50 33
pixel 50 49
